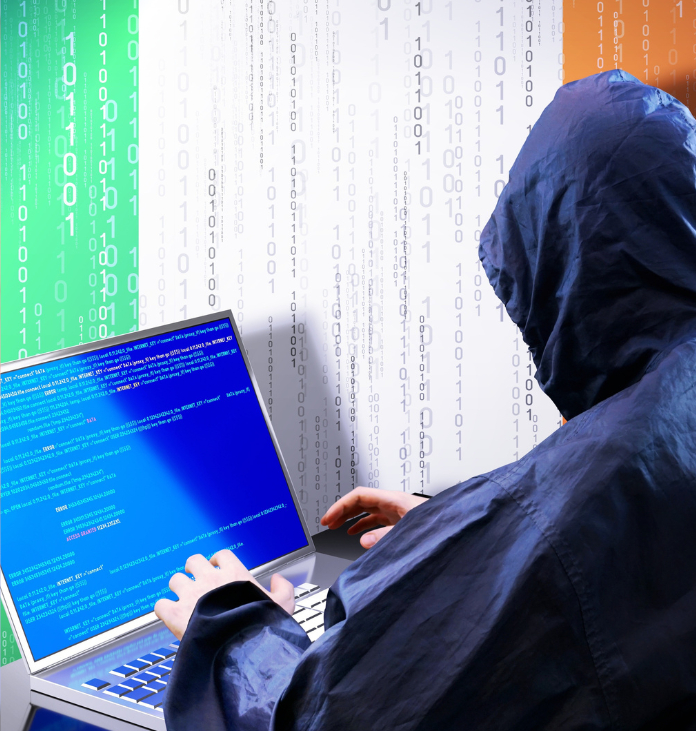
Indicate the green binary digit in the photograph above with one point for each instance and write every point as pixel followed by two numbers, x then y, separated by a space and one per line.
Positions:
pixel 70 173
pixel 10 650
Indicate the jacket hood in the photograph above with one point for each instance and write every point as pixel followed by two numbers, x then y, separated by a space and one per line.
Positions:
pixel 592 245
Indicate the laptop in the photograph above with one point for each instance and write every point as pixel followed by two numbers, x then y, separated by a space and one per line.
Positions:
pixel 120 459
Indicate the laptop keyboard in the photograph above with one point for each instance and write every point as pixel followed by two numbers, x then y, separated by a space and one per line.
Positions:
pixel 309 609
pixel 143 680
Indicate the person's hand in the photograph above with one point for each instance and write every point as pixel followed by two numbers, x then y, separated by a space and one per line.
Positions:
pixel 176 615
pixel 386 508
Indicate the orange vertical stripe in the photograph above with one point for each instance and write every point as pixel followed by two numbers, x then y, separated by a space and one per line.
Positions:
pixel 655 40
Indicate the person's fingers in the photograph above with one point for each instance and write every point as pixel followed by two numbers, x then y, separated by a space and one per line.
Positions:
pixel 352 504
pixel 179 583
pixel 355 502
pixel 225 559
pixel 231 568
pixel 281 586
pixel 369 521
pixel 197 565
pixel 369 539
pixel 335 514
pixel 283 593
pixel 163 608
pixel 168 612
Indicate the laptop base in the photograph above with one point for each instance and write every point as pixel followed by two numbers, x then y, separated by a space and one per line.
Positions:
pixel 59 689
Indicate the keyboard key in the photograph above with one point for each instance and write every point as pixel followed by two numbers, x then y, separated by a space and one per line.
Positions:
pixel 157 687
pixel 309 603
pixel 315 634
pixel 168 665
pixel 159 671
pixel 96 684
pixel 150 658
pixel 124 671
pixel 155 701
pixel 303 614
pixel 164 652
pixel 139 694
pixel 175 643
pixel 119 690
pixel 138 664
pixel 147 677
pixel 132 683
pixel 315 600
pixel 312 623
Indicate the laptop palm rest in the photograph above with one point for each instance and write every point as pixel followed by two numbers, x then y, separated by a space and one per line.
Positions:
pixel 319 568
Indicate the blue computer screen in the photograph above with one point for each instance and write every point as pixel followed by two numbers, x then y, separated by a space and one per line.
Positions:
pixel 120 463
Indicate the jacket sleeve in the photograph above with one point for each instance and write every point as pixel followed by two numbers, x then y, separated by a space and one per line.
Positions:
pixel 237 655
pixel 462 618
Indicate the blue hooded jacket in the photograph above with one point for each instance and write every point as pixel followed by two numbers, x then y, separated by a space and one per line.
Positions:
pixel 557 592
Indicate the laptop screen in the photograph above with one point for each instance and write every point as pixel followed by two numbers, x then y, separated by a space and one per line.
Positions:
pixel 120 463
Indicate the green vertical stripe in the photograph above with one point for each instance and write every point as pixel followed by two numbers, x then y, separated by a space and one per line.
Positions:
pixel 69 221
pixel 69 229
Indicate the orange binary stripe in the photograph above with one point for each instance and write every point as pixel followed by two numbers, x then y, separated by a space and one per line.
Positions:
pixel 655 40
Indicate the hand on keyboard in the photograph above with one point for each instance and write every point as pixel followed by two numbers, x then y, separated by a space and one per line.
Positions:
pixel 176 615
pixel 386 508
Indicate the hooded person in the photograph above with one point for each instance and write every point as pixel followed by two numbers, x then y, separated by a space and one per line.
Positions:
pixel 557 592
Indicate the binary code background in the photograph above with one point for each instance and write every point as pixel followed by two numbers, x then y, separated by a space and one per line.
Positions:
pixel 322 168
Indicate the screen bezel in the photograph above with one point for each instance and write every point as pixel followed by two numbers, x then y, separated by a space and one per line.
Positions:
pixel 132 625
